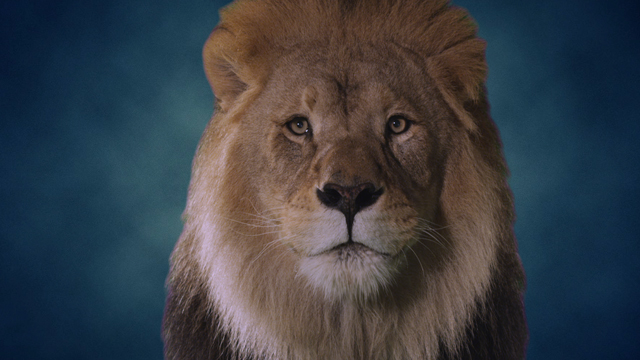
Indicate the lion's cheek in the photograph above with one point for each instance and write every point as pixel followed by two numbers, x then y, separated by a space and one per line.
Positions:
pixel 310 232
pixel 386 231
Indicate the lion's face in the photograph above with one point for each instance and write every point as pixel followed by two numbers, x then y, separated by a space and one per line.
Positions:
pixel 348 163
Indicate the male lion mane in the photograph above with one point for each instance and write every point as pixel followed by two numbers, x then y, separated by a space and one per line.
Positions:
pixel 473 306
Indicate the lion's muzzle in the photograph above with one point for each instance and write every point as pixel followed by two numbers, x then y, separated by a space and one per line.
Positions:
pixel 349 199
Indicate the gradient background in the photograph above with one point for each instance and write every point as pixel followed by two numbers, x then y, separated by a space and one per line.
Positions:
pixel 102 104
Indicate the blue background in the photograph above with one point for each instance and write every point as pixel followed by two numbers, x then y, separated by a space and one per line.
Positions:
pixel 102 105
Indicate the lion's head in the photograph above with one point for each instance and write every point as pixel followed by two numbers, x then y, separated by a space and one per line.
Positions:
pixel 349 196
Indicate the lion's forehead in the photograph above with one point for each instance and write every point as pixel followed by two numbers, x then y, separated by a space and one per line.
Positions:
pixel 369 77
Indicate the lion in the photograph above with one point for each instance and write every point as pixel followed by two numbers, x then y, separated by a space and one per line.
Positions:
pixel 349 196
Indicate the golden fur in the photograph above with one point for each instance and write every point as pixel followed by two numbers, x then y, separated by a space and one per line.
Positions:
pixel 427 269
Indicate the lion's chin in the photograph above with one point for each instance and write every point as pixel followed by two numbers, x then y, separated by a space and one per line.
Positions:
pixel 350 271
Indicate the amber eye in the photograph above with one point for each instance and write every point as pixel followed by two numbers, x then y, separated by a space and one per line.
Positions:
pixel 397 124
pixel 299 126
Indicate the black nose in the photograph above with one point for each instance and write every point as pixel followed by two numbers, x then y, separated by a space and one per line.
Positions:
pixel 349 199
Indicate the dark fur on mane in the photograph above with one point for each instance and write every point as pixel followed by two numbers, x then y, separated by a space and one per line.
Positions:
pixel 191 326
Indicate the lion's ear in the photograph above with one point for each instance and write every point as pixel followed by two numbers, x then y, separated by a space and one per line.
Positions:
pixel 459 73
pixel 222 68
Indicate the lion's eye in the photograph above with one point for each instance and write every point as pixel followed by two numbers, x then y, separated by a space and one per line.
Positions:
pixel 299 126
pixel 397 124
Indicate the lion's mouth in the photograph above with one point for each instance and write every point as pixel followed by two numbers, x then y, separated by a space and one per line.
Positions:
pixel 352 250
pixel 350 270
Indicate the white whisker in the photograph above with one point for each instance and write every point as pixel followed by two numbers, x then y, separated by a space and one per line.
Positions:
pixel 419 261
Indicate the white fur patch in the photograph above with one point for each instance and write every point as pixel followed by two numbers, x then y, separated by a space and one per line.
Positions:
pixel 355 271
pixel 238 316
pixel 352 271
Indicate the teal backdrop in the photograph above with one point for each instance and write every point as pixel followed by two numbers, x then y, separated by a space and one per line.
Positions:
pixel 102 104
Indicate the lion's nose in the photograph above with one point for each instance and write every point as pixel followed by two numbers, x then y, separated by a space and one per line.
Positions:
pixel 349 199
